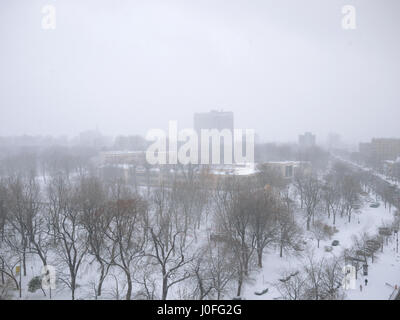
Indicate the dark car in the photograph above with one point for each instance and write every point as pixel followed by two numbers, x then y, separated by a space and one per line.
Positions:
pixel 335 243
pixel 375 205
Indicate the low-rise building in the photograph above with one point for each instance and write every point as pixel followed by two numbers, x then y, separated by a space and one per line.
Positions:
pixel 288 169
pixel 380 149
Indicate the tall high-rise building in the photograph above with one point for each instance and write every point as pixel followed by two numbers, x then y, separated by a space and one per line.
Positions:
pixel 307 140
pixel 213 120
pixel 219 120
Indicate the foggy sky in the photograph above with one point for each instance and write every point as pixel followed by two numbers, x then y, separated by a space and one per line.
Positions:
pixel 283 67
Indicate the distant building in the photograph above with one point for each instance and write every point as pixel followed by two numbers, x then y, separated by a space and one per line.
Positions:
pixel 219 120
pixel 334 141
pixel 307 140
pixel 380 149
pixel 213 120
pixel 93 139
pixel 247 169
pixel 287 169
pixel 123 157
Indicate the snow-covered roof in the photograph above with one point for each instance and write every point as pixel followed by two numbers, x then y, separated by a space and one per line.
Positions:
pixel 237 170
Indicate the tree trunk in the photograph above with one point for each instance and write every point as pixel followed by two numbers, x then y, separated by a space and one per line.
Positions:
pixel 129 291
pixel 2 273
pixel 165 287
pixel 24 261
pixel 100 285
pixel 73 286
pixel 260 255
pixel 240 283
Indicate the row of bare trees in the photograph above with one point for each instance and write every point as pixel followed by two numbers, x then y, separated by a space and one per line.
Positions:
pixel 315 279
pixel 335 194
pixel 253 217
pixel 150 242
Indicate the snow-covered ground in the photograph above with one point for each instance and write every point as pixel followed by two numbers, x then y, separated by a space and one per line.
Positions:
pixel 384 273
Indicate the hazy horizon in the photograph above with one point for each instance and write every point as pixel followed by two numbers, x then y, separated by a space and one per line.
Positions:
pixel 124 67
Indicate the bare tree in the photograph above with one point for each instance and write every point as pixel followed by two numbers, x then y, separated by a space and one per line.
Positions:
pixel 314 270
pixel 350 194
pixel 169 248
pixel 33 222
pixel 321 231
pixel 288 233
pixel 292 285
pixel 312 196
pixel 127 231
pixel 70 236
pixel 3 220
pixel 9 259
pixel 3 209
pixel 213 271
pixel 17 216
pixel 263 208
pixel 299 182
pixel 332 277
pixel 203 280
pixel 331 195
pixel 316 279
pixel 95 220
pixel 145 277
pixel 190 198
pixel 234 220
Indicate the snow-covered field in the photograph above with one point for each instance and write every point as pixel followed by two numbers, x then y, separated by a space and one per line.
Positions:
pixel 384 273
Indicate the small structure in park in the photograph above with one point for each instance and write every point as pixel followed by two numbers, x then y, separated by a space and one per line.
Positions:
pixel 365 269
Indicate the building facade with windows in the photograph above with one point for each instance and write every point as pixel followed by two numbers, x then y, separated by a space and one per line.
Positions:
pixel 381 149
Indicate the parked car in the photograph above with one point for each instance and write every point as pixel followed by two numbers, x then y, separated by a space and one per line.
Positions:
pixel 375 205
pixel 335 243
pixel 369 199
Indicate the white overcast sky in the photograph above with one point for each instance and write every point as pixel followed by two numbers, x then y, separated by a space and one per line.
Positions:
pixel 125 66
